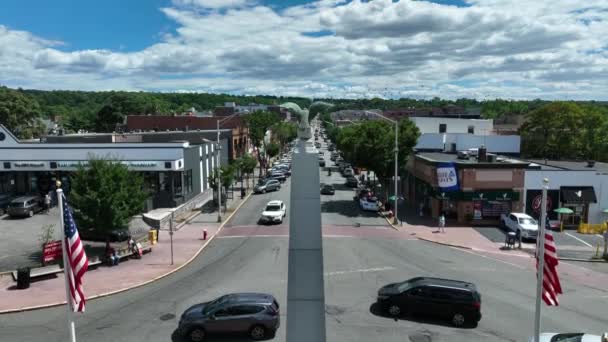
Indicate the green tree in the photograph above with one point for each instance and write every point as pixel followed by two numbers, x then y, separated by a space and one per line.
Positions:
pixel 272 149
pixel 105 195
pixel 552 131
pixel 20 114
pixel 248 164
pixel 283 133
pixel 107 118
pixel 259 123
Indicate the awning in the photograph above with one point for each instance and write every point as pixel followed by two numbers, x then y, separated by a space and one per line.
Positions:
pixel 492 195
pixel 578 194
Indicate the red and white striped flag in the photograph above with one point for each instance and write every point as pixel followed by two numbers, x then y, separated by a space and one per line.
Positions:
pixel 77 259
pixel 551 284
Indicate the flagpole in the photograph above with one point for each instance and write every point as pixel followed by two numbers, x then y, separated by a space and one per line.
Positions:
pixel 540 252
pixel 66 268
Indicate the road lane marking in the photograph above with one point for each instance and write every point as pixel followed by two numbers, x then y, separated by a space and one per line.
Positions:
pixel 247 236
pixel 487 257
pixel 364 270
pixel 579 239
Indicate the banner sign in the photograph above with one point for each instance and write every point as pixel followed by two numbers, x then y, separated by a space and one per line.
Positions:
pixel 51 251
pixel 447 177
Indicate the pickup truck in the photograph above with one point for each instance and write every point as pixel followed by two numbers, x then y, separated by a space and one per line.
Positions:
pixel 527 226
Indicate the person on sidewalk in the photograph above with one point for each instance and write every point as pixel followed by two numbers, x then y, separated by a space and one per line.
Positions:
pixel 421 209
pixel 441 228
pixel 111 255
pixel 47 203
pixel 518 237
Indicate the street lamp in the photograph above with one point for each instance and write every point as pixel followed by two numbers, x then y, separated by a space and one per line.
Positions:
pixel 396 150
pixel 219 180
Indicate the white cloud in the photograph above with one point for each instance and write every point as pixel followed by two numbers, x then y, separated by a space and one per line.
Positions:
pixel 336 48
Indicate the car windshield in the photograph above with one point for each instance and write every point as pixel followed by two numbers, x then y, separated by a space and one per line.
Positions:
pixel 527 220
pixel 574 337
pixel 403 286
pixel 17 205
pixel 214 304
pixel 273 207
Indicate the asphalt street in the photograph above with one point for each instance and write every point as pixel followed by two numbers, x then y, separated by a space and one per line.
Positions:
pixel 354 270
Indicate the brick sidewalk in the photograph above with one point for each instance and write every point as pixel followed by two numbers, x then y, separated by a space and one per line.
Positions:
pixel 129 273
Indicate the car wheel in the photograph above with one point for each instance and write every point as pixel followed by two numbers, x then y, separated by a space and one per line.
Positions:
pixel 257 332
pixel 458 319
pixel 30 213
pixel 197 335
pixel 394 310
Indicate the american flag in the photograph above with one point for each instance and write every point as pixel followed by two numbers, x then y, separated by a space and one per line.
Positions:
pixel 551 284
pixel 77 259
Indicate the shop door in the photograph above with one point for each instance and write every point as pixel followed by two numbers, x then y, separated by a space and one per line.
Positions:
pixel 577 217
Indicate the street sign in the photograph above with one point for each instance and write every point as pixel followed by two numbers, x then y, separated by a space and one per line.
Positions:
pixel 51 251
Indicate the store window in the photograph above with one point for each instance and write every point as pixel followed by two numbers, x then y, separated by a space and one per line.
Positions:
pixel 443 128
pixel 471 129
pixel 493 209
pixel 177 184
pixel 188 181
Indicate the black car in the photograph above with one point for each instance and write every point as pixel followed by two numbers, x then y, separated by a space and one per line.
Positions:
pixel 352 182
pixel 278 175
pixel 456 300
pixel 328 189
pixel 5 199
pixel 330 148
pixel 321 162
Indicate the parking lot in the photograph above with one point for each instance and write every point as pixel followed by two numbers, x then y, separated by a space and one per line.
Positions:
pixel 19 239
pixel 569 243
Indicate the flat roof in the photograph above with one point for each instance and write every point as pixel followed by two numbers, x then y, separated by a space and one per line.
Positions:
pixel 565 165
pixel 501 161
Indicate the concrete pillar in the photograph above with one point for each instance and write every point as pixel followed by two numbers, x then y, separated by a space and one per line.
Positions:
pixel 305 288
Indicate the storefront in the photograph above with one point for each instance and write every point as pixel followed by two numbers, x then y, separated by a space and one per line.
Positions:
pixel 173 172
pixel 467 191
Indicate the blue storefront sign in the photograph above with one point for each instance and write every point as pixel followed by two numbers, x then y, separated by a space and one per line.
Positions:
pixel 447 177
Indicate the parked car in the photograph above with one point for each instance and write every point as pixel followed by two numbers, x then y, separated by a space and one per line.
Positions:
pixel 352 182
pixel 571 337
pixel 274 212
pixel 369 204
pixel 348 172
pixel 524 223
pixel 25 206
pixel 5 200
pixel 267 185
pixel 254 314
pixel 278 175
pixel 321 162
pixel 328 189
pixel 331 148
pixel 318 145
pixel 456 300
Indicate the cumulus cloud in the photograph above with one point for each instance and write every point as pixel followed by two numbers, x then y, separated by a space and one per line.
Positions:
pixel 339 48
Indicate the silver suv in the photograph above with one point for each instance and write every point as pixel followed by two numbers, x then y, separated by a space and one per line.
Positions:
pixel 255 314
pixel 267 185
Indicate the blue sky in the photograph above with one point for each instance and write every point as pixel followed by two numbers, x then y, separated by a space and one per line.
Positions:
pixel 333 48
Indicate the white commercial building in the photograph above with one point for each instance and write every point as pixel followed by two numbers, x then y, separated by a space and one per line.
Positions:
pixel 580 186
pixel 432 124
pixel 454 142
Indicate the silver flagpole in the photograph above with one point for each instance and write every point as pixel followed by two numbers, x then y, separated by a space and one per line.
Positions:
pixel 66 268
pixel 540 252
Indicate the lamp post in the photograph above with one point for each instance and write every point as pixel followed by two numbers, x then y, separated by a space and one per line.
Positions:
pixel 396 150
pixel 219 179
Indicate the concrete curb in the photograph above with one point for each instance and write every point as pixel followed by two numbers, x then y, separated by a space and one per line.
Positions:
pixel 390 223
pixel 443 243
pixel 572 259
pixel 45 306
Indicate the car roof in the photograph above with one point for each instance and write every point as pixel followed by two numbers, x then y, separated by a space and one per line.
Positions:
pixel 275 202
pixel 443 283
pixel 250 297
pixel 519 215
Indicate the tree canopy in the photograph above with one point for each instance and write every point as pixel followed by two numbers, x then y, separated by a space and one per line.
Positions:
pixel 106 195
pixel 20 113
pixel 259 123
pixel 370 144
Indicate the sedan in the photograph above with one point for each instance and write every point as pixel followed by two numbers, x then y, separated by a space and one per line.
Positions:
pixel 328 189
pixel 352 182
pixel 274 212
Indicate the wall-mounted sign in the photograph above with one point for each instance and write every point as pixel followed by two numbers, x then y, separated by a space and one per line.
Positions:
pixel 140 164
pixel 27 165
pixel 447 177
pixel 71 164
pixel 51 251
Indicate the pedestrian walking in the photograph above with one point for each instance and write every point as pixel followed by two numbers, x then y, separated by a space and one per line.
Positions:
pixel 421 210
pixel 47 203
pixel 441 227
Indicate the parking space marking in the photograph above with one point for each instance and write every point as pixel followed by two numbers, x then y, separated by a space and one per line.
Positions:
pixel 579 239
